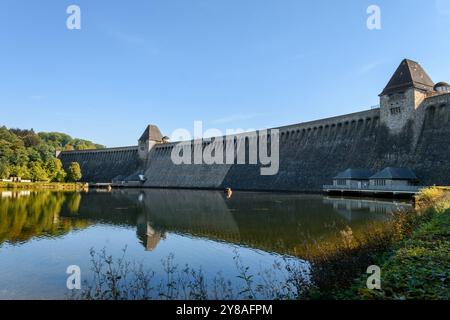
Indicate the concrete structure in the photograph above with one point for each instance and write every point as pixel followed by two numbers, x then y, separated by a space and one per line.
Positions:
pixel 134 180
pixel 389 181
pixel 394 177
pixel 151 137
pixel 410 129
pixel 356 178
pixel 405 92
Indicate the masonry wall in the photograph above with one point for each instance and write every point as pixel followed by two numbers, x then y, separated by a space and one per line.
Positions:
pixel 310 154
pixel 103 165
pixel 430 157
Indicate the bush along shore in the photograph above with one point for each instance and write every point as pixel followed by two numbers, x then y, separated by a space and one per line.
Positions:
pixel 411 250
pixel 68 186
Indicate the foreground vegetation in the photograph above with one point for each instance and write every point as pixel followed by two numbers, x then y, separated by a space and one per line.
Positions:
pixel 411 249
pixel 418 266
pixel 339 269
pixel 32 156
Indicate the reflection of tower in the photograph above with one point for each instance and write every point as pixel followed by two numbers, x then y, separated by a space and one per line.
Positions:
pixel 147 234
pixel 152 238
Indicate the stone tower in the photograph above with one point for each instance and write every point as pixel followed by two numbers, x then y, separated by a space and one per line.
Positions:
pixel 148 140
pixel 404 93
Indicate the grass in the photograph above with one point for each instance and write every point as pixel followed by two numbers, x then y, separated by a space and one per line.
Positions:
pixel 417 267
pixel 41 185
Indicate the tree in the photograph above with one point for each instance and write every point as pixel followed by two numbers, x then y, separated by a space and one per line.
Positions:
pixel 29 137
pixel 31 155
pixel 74 172
pixel 5 170
pixel 21 171
pixel 55 170
pixel 38 173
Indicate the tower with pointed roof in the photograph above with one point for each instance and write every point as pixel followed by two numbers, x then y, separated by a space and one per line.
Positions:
pixel 148 140
pixel 406 90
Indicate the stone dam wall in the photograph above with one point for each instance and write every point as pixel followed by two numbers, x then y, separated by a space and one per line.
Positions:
pixel 104 164
pixel 311 154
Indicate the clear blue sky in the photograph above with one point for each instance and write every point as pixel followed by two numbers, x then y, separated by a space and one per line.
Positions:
pixel 230 63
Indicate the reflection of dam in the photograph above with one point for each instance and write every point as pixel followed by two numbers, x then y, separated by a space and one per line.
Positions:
pixel 358 208
pixel 198 213
pixel 283 223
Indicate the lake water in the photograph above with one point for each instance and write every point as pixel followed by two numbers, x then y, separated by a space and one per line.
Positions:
pixel 42 233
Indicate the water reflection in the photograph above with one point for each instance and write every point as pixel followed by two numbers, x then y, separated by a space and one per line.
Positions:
pixel 281 223
pixel 25 215
pixel 41 233
pixel 285 224
pixel 358 208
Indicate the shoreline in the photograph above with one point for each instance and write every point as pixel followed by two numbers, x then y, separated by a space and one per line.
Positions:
pixel 412 255
pixel 71 186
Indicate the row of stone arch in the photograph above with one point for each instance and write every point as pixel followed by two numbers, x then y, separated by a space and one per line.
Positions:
pixel 433 107
pixel 352 123
pixel 284 134
pixel 99 155
pixel 436 115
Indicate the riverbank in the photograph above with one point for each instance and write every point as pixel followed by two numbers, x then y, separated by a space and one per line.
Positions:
pixel 42 186
pixel 412 254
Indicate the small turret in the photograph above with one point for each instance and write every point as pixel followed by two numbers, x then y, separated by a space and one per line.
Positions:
pixel 148 140
pixel 442 87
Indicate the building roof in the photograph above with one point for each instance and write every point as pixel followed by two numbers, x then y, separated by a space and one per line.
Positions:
pixel 118 178
pixel 135 178
pixel 354 174
pixel 409 74
pixel 151 133
pixel 395 174
pixel 441 84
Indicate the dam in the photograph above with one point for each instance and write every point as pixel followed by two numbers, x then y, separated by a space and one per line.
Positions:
pixel 410 128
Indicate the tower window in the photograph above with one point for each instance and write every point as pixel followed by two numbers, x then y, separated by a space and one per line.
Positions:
pixel 396 110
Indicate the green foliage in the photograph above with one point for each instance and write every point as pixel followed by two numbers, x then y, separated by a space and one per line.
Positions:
pixel 37 186
pixel 74 172
pixel 55 167
pixel 61 141
pixel 31 155
pixel 5 170
pixel 415 265
pixel 38 173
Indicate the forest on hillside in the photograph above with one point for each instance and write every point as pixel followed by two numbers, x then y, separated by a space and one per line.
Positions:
pixel 31 155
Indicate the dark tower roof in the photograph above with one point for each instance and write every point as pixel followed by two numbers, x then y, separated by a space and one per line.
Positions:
pixel 409 75
pixel 151 133
pixel 395 174
pixel 354 174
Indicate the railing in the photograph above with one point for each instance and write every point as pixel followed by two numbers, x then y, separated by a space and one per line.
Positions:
pixel 375 188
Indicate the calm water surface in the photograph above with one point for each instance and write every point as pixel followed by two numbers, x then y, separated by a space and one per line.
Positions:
pixel 42 233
